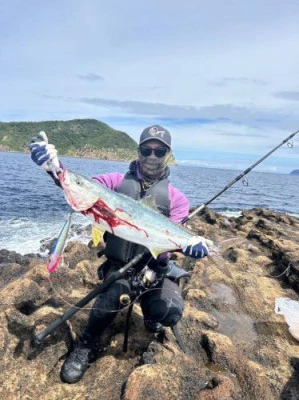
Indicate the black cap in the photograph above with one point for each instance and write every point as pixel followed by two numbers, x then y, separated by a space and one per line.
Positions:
pixel 156 132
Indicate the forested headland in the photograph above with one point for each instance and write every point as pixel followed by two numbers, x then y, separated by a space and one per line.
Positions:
pixel 79 137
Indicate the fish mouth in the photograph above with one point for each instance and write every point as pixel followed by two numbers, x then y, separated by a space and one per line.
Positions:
pixel 76 195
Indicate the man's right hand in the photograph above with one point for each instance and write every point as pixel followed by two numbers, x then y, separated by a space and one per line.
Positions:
pixel 42 153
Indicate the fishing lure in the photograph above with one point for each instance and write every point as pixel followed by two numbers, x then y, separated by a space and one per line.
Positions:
pixel 59 245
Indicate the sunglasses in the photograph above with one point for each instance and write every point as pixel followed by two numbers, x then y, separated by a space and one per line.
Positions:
pixel 147 151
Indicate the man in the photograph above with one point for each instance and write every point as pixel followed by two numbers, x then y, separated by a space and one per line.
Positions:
pixel 148 175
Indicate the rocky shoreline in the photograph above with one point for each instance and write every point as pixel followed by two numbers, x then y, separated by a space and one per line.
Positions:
pixel 236 346
pixel 106 154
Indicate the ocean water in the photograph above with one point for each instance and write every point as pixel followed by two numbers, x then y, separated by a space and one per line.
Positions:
pixel 33 208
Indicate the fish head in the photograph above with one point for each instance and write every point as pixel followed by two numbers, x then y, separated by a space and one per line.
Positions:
pixel 80 192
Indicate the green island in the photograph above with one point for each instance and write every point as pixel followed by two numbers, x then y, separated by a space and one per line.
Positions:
pixel 87 138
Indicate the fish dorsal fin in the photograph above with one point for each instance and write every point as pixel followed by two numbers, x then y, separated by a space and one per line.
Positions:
pixel 150 202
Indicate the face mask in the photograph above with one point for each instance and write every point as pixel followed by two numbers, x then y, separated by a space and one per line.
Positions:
pixel 153 167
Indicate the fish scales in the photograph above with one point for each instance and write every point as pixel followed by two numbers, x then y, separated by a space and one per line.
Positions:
pixel 123 216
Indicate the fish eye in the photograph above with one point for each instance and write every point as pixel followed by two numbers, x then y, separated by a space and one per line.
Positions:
pixel 78 182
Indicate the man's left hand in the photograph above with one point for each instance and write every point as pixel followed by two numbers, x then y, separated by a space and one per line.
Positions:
pixel 196 247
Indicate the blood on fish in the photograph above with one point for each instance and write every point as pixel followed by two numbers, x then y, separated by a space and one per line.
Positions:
pixel 178 245
pixel 100 210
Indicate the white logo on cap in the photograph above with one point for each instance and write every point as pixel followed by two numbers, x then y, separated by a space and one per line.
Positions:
pixel 155 132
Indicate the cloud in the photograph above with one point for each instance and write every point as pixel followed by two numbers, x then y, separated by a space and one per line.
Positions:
pixel 287 95
pixel 226 81
pixel 50 96
pixel 184 113
pixel 91 77
pixel 144 108
pixel 232 134
pixel 216 82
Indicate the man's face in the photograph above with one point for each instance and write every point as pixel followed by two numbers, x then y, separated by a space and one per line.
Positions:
pixel 154 156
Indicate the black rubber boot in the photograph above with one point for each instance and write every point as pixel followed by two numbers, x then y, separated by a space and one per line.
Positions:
pixel 77 362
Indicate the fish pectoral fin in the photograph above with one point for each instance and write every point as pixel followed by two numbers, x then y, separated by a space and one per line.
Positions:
pixel 150 202
pixel 156 252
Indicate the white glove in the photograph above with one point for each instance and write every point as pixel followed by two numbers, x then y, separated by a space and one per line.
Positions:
pixel 44 154
pixel 197 247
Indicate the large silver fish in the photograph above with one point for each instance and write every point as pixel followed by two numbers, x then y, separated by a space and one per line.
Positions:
pixel 136 221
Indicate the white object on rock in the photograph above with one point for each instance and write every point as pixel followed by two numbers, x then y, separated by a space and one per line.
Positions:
pixel 290 310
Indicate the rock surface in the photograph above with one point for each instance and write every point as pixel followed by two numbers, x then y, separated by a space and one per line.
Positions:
pixel 236 346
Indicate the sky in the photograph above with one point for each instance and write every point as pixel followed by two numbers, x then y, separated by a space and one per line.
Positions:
pixel 222 76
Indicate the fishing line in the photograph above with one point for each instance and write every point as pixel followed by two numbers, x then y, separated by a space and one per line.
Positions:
pixel 109 310
pixel 104 309
pixel 287 271
pixel 216 250
pixel 200 208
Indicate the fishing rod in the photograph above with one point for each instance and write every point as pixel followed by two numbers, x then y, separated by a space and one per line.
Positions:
pixel 38 338
pixel 202 206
